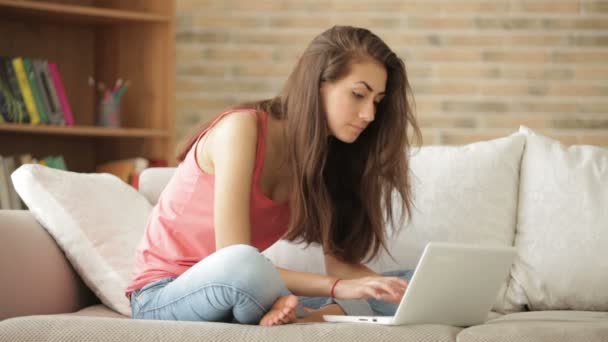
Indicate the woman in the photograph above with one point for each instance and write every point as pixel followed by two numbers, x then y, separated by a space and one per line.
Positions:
pixel 318 164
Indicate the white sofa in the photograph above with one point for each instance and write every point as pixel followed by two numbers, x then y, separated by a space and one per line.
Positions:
pixel 526 190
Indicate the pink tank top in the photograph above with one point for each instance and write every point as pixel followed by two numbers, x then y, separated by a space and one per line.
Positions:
pixel 180 230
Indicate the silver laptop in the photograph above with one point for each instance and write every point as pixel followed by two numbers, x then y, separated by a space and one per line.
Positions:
pixel 453 284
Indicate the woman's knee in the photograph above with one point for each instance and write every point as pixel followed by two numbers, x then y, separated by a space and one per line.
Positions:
pixel 245 263
pixel 241 256
pixel 253 273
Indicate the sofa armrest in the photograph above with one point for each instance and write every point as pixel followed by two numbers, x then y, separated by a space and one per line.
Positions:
pixel 36 276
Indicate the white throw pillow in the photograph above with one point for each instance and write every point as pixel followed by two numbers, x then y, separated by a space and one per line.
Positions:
pixel 96 219
pixel 462 194
pixel 562 228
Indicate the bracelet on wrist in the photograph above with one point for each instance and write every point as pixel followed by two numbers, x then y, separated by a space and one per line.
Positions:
pixel 333 287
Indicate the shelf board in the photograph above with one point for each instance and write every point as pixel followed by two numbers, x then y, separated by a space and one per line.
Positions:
pixel 86 131
pixel 83 14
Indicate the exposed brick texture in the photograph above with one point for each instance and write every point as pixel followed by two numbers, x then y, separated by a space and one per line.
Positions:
pixel 478 68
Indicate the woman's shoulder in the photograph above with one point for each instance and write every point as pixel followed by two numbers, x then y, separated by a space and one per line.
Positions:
pixel 235 133
pixel 235 126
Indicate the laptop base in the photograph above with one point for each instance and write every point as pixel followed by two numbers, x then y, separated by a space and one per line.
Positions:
pixel 384 320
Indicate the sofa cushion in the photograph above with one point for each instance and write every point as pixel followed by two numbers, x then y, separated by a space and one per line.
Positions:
pixel 553 315
pixel 96 219
pixel 98 310
pixel 562 228
pixel 464 194
pixel 549 326
pixel 59 328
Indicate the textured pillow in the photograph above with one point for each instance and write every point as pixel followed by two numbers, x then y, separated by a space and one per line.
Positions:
pixel 96 219
pixel 462 194
pixel 465 194
pixel 562 228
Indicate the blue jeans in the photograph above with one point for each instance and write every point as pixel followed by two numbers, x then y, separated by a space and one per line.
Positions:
pixel 234 284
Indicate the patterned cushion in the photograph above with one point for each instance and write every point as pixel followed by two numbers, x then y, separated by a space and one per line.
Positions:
pixel 562 227
pixel 95 218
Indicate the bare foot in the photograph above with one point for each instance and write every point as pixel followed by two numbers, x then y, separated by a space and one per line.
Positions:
pixel 283 311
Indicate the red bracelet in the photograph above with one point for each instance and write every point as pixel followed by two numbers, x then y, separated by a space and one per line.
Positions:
pixel 333 287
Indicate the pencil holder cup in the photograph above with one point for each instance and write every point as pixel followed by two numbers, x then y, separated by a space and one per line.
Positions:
pixel 108 112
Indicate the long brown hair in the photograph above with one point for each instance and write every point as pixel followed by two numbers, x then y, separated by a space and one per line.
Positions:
pixel 342 194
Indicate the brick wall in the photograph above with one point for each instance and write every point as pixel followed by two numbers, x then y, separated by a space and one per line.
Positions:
pixel 478 68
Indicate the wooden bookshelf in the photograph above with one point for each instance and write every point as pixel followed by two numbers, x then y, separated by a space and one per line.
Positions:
pixel 106 39
pixel 90 131
pixel 58 12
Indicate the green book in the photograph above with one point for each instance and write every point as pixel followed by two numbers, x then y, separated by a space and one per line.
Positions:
pixel 36 91
pixel 55 162
pixel 59 163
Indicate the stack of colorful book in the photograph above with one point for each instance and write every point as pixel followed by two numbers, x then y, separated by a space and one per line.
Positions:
pixel 32 91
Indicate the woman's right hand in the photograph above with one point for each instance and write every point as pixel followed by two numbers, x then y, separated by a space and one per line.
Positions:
pixel 388 289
